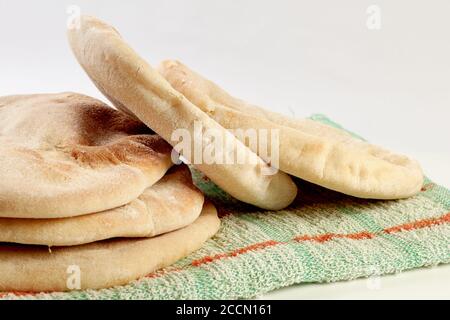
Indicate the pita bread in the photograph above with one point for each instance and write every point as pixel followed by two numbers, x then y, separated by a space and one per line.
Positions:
pixel 172 203
pixel 135 87
pixel 309 150
pixel 67 154
pixel 101 264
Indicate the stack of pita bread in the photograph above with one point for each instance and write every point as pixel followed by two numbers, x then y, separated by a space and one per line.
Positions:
pixel 76 174
pixel 98 186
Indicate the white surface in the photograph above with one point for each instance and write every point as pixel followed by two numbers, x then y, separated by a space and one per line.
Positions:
pixel 429 283
pixel 391 85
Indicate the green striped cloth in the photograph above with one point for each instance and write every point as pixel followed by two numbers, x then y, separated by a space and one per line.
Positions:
pixel 325 236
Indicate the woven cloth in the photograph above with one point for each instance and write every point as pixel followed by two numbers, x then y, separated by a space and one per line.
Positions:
pixel 325 236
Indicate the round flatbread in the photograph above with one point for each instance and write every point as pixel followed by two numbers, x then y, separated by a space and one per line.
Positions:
pixel 67 154
pixel 133 86
pixel 171 203
pixel 100 264
pixel 315 152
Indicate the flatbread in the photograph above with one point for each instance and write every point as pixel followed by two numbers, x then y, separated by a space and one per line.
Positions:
pixel 171 203
pixel 133 86
pixel 67 154
pixel 309 150
pixel 101 264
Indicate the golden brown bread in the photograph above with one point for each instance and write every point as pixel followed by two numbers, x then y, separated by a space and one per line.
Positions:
pixel 100 264
pixel 171 203
pixel 67 154
pixel 309 150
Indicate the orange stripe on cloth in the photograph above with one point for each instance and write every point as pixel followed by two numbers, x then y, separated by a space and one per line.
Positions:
pixel 364 235
pixel 162 272
pixel 330 236
pixel 253 247
pixel 419 224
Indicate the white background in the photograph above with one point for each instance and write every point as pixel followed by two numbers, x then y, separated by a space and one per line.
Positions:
pixel 391 85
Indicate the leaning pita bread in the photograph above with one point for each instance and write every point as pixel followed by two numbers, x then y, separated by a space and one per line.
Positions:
pixel 101 264
pixel 171 203
pixel 134 86
pixel 67 154
pixel 309 150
